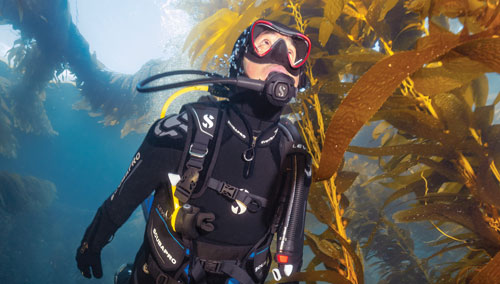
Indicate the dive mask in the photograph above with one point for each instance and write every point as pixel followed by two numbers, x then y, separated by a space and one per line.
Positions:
pixel 278 44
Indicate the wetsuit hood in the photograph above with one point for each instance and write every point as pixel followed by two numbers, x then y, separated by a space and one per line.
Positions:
pixel 255 105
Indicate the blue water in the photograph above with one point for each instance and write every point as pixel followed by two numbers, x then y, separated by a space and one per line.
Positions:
pixel 86 162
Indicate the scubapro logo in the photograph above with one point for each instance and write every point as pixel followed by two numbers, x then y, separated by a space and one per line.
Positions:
pixel 208 121
pixel 163 249
pixel 282 90
pixel 135 161
pixel 238 207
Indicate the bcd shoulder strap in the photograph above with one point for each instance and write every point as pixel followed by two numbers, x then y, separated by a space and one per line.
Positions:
pixel 204 128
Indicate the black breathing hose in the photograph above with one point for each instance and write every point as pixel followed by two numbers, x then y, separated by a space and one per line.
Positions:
pixel 213 78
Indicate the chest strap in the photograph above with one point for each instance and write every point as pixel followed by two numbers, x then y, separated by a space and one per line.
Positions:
pixel 252 201
pixel 228 267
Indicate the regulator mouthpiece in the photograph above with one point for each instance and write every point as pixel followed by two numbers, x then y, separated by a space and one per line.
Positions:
pixel 280 89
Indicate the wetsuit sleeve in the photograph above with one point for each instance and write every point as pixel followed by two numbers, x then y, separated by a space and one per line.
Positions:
pixel 158 155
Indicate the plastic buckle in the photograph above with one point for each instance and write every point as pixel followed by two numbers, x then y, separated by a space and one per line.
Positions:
pixel 228 190
pixel 162 279
pixel 197 155
pixel 211 266
pixel 187 184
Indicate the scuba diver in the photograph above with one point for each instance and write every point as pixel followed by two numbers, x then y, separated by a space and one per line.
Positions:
pixel 227 175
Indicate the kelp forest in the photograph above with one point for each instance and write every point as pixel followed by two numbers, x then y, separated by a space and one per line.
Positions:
pixel 398 117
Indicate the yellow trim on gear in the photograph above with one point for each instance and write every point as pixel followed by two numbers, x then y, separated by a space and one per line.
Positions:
pixel 178 93
pixel 177 206
pixel 168 102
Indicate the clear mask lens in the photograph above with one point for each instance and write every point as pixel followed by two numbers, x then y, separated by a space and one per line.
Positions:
pixel 266 36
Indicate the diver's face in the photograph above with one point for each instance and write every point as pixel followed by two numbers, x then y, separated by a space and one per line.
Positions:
pixel 263 43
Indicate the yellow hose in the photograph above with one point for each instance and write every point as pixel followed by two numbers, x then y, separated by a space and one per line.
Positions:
pixel 178 93
pixel 169 101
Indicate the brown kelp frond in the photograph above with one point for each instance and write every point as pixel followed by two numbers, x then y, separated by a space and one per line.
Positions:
pixel 374 87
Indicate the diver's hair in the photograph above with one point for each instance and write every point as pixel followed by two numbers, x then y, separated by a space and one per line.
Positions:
pixel 239 49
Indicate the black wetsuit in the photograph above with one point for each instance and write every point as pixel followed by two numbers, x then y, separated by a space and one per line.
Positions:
pixel 161 153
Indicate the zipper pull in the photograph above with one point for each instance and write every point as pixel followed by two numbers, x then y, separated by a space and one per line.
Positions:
pixel 249 156
pixel 249 153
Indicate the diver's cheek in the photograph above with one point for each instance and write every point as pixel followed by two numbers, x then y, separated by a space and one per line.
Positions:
pixel 296 79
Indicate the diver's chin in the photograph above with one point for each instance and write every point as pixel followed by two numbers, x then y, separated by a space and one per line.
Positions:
pixel 277 68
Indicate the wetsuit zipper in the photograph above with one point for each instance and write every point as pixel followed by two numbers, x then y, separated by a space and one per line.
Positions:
pixel 249 156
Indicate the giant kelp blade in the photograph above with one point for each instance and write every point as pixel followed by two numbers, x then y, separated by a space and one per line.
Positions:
pixel 344 180
pixel 493 140
pixel 406 149
pixel 358 265
pixel 462 212
pixel 454 113
pixel 325 250
pixel 446 249
pixel 397 194
pixel 399 169
pixel 444 168
pixel 332 11
pixel 485 51
pixel 454 73
pixel 365 98
pixel 325 31
pixel 353 54
pixel 415 122
pixel 456 212
pixel 319 207
pixel 483 117
pixel 211 30
pixel 313 263
pixel 373 89
pixel 491 272
pixel 480 90
pixel 497 99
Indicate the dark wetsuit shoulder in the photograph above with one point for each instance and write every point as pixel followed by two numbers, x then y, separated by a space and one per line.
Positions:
pixel 170 131
pixel 157 156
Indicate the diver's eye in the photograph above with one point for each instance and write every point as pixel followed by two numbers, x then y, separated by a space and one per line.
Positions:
pixel 264 45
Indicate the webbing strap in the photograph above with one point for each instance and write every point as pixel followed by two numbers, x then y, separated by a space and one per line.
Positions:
pixel 236 272
pixel 157 273
pixel 236 193
pixel 228 267
pixel 198 151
